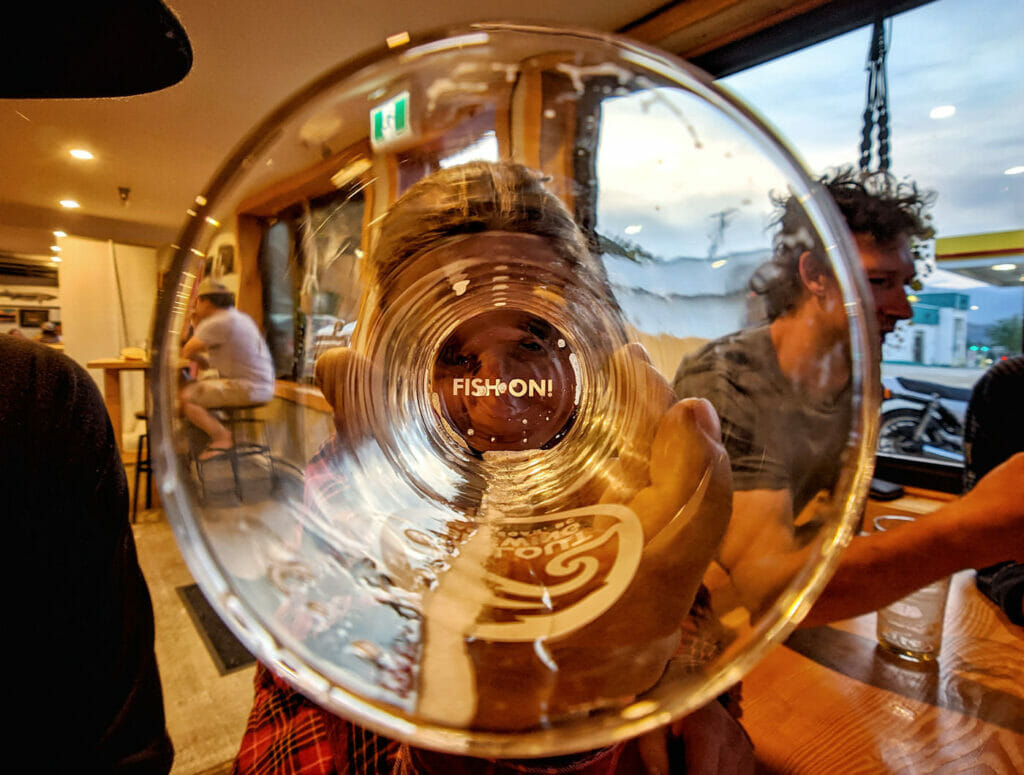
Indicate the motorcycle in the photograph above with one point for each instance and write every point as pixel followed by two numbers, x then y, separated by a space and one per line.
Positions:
pixel 923 419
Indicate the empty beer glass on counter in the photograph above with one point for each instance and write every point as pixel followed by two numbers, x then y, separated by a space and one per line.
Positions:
pixel 912 626
pixel 488 527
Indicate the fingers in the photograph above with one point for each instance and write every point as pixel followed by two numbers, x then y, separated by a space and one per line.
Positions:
pixel 687 441
pixel 687 454
pixel 636 380
pixel 638 397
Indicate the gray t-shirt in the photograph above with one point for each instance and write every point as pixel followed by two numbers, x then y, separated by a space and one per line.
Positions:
pixel 776 438
pixel 236 348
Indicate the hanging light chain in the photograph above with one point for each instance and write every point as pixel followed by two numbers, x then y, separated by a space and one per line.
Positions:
pixel 876 110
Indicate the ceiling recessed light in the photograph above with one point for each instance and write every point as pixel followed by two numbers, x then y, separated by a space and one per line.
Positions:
pixel 974 308
pixel 81 153
pixel 55 248
pixel 1003 267
pixel 54 259
pixel 71 204
pixel 942 111
pixel 719 263
pixel 913 299
pixel 1019 169
pixel 636 228
pixel 58 233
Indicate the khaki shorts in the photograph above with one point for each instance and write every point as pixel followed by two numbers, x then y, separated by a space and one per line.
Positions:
pixel 213 393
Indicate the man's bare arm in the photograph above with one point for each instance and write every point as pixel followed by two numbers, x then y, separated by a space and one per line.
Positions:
pixel 982 528
pixel 761 554
pixel 193 347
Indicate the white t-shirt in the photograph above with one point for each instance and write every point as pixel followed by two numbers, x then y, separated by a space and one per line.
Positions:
pixel 237 349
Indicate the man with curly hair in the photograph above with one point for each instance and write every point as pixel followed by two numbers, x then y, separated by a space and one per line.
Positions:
pixel 783 393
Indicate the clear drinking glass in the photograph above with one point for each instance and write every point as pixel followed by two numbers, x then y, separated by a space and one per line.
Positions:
pixel 912 626
pixel 451 540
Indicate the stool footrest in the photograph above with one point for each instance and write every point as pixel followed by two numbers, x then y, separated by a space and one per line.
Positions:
pixel 248 439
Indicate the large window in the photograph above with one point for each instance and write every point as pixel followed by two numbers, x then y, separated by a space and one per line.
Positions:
pixel 956 102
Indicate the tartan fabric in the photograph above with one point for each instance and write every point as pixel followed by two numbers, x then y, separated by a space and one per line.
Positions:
pixel 289 735
pixel 286 734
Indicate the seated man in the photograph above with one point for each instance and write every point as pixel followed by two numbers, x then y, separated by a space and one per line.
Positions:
pixel 783 395
pixel 231 344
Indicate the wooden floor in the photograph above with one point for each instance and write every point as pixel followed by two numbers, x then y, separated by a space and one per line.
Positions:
pixel 206 712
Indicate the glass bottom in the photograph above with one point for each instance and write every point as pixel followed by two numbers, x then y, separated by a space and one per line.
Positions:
pixel 908 654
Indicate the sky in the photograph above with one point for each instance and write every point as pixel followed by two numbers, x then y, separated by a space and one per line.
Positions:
pixel 964 53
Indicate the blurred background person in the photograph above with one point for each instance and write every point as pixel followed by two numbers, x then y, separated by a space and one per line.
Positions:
pixel 48 334
pixel 783 393
pixel 228 342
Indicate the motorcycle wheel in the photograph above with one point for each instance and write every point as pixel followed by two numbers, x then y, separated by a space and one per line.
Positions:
pixel 896 433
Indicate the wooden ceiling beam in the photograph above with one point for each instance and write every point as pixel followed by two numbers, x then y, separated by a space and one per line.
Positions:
pixel 690 28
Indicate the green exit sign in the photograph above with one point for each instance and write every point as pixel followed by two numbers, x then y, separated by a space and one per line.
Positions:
pixel 390 120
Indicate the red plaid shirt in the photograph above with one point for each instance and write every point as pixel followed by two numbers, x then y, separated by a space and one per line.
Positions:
pixel 287 734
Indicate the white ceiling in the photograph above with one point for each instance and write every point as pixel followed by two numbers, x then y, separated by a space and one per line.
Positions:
pixel 164 146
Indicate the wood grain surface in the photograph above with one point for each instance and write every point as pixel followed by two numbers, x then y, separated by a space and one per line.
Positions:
pixel 832 701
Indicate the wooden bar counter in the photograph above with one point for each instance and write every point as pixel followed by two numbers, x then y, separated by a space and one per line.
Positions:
pixel 832 701
pixel 112 369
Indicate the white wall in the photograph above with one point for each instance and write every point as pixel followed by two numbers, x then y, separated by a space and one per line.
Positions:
pixel 951 349
pixel 91 310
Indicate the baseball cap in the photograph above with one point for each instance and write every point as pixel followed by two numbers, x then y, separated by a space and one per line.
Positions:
pixel 211 287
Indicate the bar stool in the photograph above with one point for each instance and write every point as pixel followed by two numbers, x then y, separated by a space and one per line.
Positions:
pixel 143 465
pixel 248 439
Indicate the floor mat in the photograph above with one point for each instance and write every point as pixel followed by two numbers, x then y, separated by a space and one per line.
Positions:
pixel 227 653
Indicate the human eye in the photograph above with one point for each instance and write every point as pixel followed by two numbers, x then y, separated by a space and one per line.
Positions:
pixel 468 362
pixel 453 356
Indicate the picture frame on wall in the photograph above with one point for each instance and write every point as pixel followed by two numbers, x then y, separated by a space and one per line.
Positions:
pixel 9 316
pixel 33 318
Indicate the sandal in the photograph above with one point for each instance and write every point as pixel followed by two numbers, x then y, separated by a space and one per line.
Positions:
pixel 214 451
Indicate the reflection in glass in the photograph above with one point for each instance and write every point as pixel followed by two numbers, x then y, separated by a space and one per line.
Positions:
pixel 490 526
